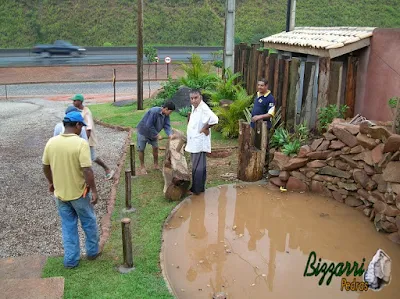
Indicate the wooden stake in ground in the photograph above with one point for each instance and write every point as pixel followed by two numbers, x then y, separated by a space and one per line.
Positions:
pixel 175 169
pixel 251 159
pixel 126 246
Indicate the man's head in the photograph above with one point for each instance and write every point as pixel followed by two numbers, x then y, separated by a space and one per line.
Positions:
pixel 71 109
pixel 73 122
pixel 78 101
pixel 262 86
pixel 195 97
pixel 168 108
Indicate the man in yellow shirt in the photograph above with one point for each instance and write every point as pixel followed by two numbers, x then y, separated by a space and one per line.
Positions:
pixel 67 167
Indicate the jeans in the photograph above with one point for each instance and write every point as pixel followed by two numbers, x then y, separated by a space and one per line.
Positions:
pixel 69 212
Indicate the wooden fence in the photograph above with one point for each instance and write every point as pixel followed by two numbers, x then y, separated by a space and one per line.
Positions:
pixel 301 85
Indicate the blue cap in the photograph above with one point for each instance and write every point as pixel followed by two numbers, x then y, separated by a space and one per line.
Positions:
pixel 74 116
pixel 71 108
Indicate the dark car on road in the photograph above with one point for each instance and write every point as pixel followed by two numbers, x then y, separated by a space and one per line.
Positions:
pixel 59 47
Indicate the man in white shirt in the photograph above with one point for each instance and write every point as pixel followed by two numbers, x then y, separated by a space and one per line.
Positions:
pixel 198 144
pixel 59 128
pixel 77 101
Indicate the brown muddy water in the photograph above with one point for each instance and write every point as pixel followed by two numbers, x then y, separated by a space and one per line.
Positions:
pixel 250 242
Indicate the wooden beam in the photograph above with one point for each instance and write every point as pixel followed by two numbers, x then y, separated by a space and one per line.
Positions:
pixel 351 79
pixel 276 78
pixel 349 48
pixel 291 100
pixel 323 82
pixel 298 49
pixel 285 89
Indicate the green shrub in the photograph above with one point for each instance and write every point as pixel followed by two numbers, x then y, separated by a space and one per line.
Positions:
pixel 301 133
pixel 198 74
pixel 158 102
pixel 107 44
pixel 170 87
pixel 327 114
pixel 229 116
pixel 185 111
pixel 291 148
pixel 279 138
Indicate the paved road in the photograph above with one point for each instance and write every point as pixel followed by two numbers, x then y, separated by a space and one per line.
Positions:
pixel 50 89
pixel 101 56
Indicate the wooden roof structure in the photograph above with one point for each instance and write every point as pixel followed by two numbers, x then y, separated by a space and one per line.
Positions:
pixel 321 41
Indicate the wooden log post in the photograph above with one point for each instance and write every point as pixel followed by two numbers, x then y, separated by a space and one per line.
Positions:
pixel 132 159
pixel 251 159
pixel 175 168
pixel 127 243
pixel 128 190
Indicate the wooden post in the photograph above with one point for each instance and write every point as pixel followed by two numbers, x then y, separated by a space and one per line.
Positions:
pixel 271 71
pixel 291 100
pixel 5 86
pixel 285 89
pixel 251 160
pixel 128 190
pixel 132 159
pixel 127 242
pixel 275 90
pixel 114 79
pixel 266 67
pixel 140 56
pixel 351 79
pixel 323 82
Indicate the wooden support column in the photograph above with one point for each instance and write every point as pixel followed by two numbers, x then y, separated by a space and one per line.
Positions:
pixel 266 67
pixel 275 90
pixel 323 82
pixel 351 80
pixel 251 160
pixel 285 89
pixel 271 71
pixel 291 100
pixel 175 169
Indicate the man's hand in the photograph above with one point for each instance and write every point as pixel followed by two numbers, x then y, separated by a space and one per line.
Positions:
pixel 159 137
pixel 206 131
pixel 51 188
pixel 256 118
pixel 172 136
pixel 93 201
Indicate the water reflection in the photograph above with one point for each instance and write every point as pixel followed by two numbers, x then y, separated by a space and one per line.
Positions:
pixel 250 242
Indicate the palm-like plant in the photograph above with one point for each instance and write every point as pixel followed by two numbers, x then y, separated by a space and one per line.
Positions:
pixel 198 74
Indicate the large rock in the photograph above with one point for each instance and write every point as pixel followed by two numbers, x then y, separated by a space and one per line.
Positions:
pixel 295 163
pixel 389 227
pixel 318 155
pixel 349 160
pixel 345 136
pixel 324 145
pixel 352 201
pixel 394 237
pixel 357 149
pixel 317 187
pixel 382 184
pixel 322 178
pixel 329 136
pixel 365 156
pixel 316 143
pixel 316 164
pixel 365 141
pixel 395 188
pixel 342 165
pixel 337 196
pixel 379 132
pixel 392 144
pixel 181 98
pixel 388 210
pixel 277 182
pixel 361 177
pixel 304 150
pixel 368 169
pixel 336 145
pixel 294 184
pixel 279 161
pixel 284 176
pixel 299 175
pixel 334 154
pixel 348 186
pixel 332 171
pixel 392 172
pixel 363 193
pixel 385 160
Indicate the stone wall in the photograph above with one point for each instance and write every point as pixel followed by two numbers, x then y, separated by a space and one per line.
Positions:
pixel 357 165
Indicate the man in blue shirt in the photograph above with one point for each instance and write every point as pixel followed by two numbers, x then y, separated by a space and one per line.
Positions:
pixel 148 129
pixel 264 104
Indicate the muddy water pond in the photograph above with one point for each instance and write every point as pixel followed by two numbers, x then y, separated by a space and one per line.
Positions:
pixel 251 242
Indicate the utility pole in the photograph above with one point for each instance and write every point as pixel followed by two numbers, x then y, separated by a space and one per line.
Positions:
pixel 290 15
pixel 229 46
pixel 139 53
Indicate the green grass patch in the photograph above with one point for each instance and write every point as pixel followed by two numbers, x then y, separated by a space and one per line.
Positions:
pixel 99 278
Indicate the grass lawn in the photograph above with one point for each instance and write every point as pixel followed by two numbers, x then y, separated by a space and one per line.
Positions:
pixel 99 279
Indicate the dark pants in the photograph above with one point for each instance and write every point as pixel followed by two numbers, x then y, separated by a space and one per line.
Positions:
pixel 199 172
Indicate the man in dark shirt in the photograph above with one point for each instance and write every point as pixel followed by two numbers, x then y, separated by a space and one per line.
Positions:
pixel 264 104
pixel 148 129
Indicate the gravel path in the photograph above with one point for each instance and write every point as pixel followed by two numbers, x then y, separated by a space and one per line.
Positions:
pixel 29 220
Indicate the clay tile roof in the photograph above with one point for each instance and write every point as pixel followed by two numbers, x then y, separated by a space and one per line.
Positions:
pixel 320 37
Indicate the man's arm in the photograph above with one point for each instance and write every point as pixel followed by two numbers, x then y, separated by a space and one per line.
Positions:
pixel 49 176
pixel 167 126
pixel 212 121
pixel 88 133
pixel 89 178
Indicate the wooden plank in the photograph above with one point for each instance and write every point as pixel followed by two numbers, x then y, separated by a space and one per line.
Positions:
pixel 349 48
pixel 298 49
pixel 280 83
pixel 271 70
pixel 237 59
pixel 351 80
pixel 254 71
pixel 260 65
pixel 266 67
pixel 276 78
pixel 294 66
pixel 299 92
pixel 323 82
pixel 335 82
pixel 314 98
pixel 308 93
pixel 285 88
